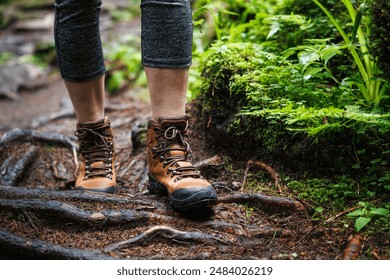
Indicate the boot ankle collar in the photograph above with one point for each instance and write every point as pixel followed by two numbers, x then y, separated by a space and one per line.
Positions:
pixel 94 123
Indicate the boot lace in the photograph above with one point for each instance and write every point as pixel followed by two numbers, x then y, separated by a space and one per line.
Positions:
pixel 95 146
pixel 173 139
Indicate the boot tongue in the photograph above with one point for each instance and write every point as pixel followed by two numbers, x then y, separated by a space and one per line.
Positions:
pixel 180 123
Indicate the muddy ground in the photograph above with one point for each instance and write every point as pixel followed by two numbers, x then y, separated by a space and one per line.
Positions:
pixel 42 216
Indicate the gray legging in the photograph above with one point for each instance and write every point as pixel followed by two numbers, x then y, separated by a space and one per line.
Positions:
pixel 166 36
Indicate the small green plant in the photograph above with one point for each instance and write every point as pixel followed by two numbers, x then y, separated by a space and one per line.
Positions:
pixel 371 87
pixel 317 214
pixel 248 210
pixel 366 213
pixel 314 59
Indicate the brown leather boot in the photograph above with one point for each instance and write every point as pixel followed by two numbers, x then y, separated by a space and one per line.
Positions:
pixel 96 171
pixel 170 166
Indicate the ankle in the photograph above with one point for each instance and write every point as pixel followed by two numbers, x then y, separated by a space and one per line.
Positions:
pixel 90 118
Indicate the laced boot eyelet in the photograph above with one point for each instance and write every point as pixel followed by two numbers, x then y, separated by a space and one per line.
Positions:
pixel 178 178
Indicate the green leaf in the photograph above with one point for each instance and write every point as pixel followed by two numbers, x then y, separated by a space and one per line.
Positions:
pixel 198 22
pixel 356 213
pixel 379 211
pixel 361 222
pixel 274 28
pixel 358 19
pixel 362 203
pixel 329 52
pixel 308 57
pixel 375 161
pixel 385 178
pixel 311 72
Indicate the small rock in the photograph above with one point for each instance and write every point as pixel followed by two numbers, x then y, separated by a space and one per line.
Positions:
pixel 14 75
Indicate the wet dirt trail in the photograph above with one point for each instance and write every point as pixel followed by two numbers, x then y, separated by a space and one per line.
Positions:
pixel 42 216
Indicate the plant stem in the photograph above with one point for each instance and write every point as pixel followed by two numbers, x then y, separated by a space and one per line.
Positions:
pixel 346 39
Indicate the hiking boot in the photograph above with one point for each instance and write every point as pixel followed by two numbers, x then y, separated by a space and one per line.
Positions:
pixel 170 166
pixel 96 150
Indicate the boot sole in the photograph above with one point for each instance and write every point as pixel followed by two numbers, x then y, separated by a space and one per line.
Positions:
pixel 185 199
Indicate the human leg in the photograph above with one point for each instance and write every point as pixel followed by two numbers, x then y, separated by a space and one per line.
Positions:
pixel 80 58
pixel 167 87
pixel 166 55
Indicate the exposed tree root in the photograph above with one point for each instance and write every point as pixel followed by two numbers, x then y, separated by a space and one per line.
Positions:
pixel 16 247
pixel 70 212
pixel 247 230
pixel 74 214
pixel 27 193
pixel 41 137
pixel 47 194
pixel 165 232
pixel 42 120
pixel 34 136
pixel 16 172
pixel 269 203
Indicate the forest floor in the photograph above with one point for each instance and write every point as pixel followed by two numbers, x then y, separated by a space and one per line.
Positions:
pixel 42 216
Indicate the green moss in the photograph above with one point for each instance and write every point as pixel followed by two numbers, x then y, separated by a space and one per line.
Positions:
pixel 331 194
